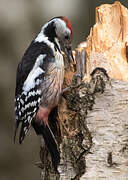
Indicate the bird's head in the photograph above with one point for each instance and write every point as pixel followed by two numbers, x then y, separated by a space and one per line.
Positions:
pixel 64 34
pixel 60 29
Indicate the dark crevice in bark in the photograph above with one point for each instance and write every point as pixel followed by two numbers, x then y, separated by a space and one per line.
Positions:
pixel 75 141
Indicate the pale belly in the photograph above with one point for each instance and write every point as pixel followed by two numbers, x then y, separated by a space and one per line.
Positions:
pixel 52 87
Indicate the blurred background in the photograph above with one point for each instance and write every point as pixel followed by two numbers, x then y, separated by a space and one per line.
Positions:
pixel 20 21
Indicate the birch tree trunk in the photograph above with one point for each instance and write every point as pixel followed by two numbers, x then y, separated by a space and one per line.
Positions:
pixel 92 125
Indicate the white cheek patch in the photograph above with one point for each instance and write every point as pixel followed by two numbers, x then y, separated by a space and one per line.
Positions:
pixel 60 27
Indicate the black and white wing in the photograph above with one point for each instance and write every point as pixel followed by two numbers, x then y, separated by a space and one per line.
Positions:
pixel 30 75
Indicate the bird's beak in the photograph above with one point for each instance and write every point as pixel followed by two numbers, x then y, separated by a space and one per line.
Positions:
pixel 68 52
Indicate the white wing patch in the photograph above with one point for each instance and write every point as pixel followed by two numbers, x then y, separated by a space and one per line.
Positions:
pixel 30 81
pixel 34 73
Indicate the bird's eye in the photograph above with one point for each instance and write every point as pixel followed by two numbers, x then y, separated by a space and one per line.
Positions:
pixel 66 37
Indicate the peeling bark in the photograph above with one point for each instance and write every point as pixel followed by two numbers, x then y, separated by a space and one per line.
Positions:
pixel 91 121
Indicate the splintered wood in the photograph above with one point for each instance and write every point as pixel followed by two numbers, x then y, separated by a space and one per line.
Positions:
pixel 106 45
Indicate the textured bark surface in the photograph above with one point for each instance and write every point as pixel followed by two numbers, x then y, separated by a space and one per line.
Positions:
pixel 108 124
pixel 92 114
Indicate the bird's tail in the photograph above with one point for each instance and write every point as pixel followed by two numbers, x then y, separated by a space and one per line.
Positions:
pixel 50 141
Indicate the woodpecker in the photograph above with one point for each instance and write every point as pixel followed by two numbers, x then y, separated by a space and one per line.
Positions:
pixel 39 81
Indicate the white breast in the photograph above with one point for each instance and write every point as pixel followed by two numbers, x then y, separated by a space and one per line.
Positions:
pixel 59 63
pixel 59 60
pixel 52 87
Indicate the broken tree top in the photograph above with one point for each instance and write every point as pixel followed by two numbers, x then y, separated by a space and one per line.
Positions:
pixel 107 43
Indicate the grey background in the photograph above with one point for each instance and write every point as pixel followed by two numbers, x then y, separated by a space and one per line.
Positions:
pixel 20 21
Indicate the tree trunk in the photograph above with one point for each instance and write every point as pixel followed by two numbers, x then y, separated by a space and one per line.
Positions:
pixel 92 127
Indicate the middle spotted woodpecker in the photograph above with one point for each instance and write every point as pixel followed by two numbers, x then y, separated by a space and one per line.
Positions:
pixel 39 81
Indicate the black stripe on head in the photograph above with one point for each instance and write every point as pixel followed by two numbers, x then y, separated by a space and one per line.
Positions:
pixel 49 31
